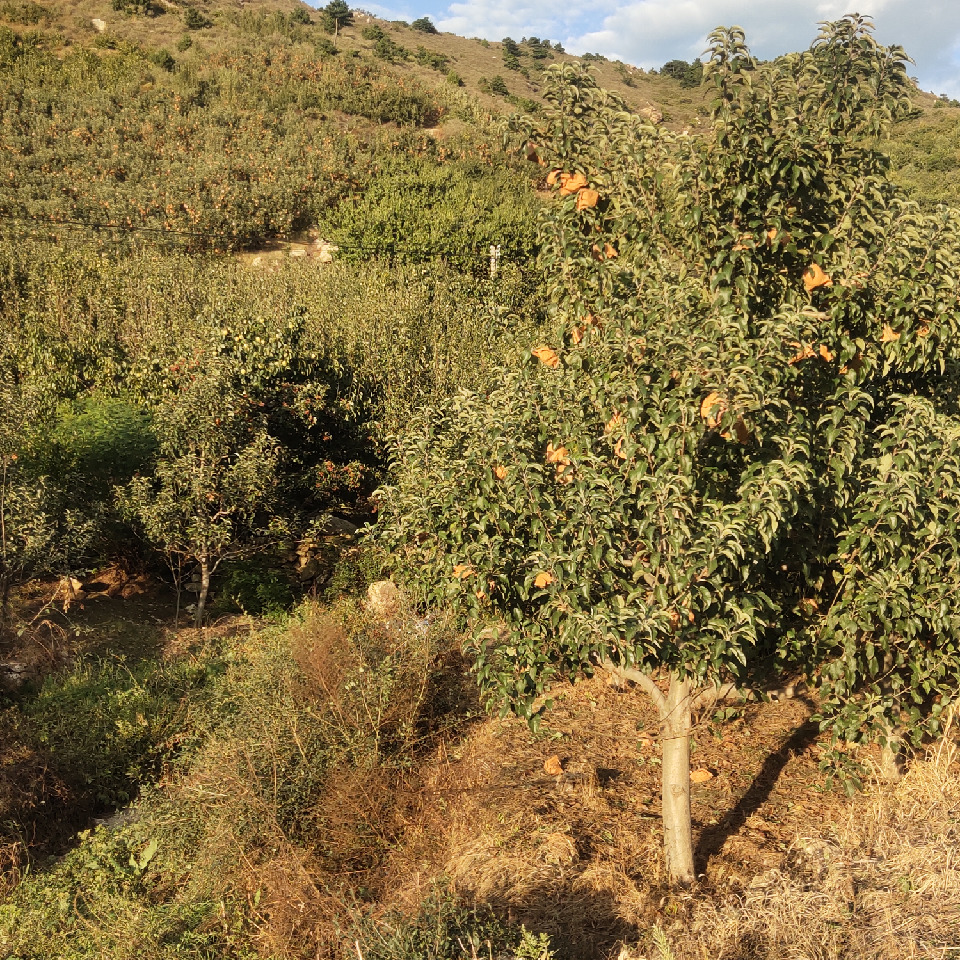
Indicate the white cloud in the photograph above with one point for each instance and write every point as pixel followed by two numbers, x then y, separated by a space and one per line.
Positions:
pixel 648 33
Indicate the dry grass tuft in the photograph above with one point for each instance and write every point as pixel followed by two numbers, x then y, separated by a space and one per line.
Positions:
pixel 884 886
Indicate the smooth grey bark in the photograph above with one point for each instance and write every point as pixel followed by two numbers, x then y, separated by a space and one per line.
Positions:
pixel 675 728
pixel 204 588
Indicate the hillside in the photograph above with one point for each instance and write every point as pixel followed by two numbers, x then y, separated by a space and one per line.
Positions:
pixel 241 252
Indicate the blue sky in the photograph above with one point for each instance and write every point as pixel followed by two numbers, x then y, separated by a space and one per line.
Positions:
pixel 647 33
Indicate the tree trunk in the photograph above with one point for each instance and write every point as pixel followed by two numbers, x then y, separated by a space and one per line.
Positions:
pixel 204 589
pixel 675 719
pixel 891 757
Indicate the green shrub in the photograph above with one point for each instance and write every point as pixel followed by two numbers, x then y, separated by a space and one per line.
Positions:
pixel 193 19
pixel 372 32
pixel 184 43
pixel 107 727
pixel 163 59
pixel 254 588
pixel 390 52
pixel 427 58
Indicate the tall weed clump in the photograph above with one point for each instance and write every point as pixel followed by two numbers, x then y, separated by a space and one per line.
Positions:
pixel 268 836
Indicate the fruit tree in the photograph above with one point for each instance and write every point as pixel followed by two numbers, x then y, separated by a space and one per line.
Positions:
pixel 737 453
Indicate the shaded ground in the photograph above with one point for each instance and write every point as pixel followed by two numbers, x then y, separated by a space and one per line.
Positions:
pixel 579 854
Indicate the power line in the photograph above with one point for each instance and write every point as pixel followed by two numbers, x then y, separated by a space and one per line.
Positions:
pixel 124 228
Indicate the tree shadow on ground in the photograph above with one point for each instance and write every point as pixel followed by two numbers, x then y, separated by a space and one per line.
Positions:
pixel 583 924
pixel 713 837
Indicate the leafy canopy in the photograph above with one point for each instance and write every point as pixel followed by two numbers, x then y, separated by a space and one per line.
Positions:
pixel 736 452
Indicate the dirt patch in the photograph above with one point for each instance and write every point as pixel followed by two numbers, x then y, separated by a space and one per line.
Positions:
pixel 579 854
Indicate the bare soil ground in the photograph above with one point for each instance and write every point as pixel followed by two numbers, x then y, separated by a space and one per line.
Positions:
pixel 788 869
pixel 561 831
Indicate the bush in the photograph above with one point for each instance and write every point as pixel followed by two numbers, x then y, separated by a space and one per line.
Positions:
pixel 193 19
pixel 163 59
pixel 427 58
pixel 387 50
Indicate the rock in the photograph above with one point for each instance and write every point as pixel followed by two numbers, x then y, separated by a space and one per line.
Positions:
pixel 298 252
pixel 324 250
pixel 383 598
pixel 309 569
pixel 652 114
pixel 14 675
pixel 99 25
pixel 333 526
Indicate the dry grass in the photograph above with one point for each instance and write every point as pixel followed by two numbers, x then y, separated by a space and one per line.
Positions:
pixel 884 886
pixel 789 872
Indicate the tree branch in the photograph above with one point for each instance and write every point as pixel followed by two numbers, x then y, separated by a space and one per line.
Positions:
pixel 706 699
pixel 641 679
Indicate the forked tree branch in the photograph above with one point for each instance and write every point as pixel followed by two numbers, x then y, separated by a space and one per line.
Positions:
pixel 641 679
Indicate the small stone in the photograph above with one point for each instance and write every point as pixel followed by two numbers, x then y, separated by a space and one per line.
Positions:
pixel 383 598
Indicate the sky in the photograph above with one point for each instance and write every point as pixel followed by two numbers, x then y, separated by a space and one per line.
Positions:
pixel 648 33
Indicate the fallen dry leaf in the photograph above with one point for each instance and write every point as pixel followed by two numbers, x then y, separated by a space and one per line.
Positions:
pixel 700 776
pixel 462 570
pixel 500 472
pixel 557 454
pixel 553 766
pixel 543 580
